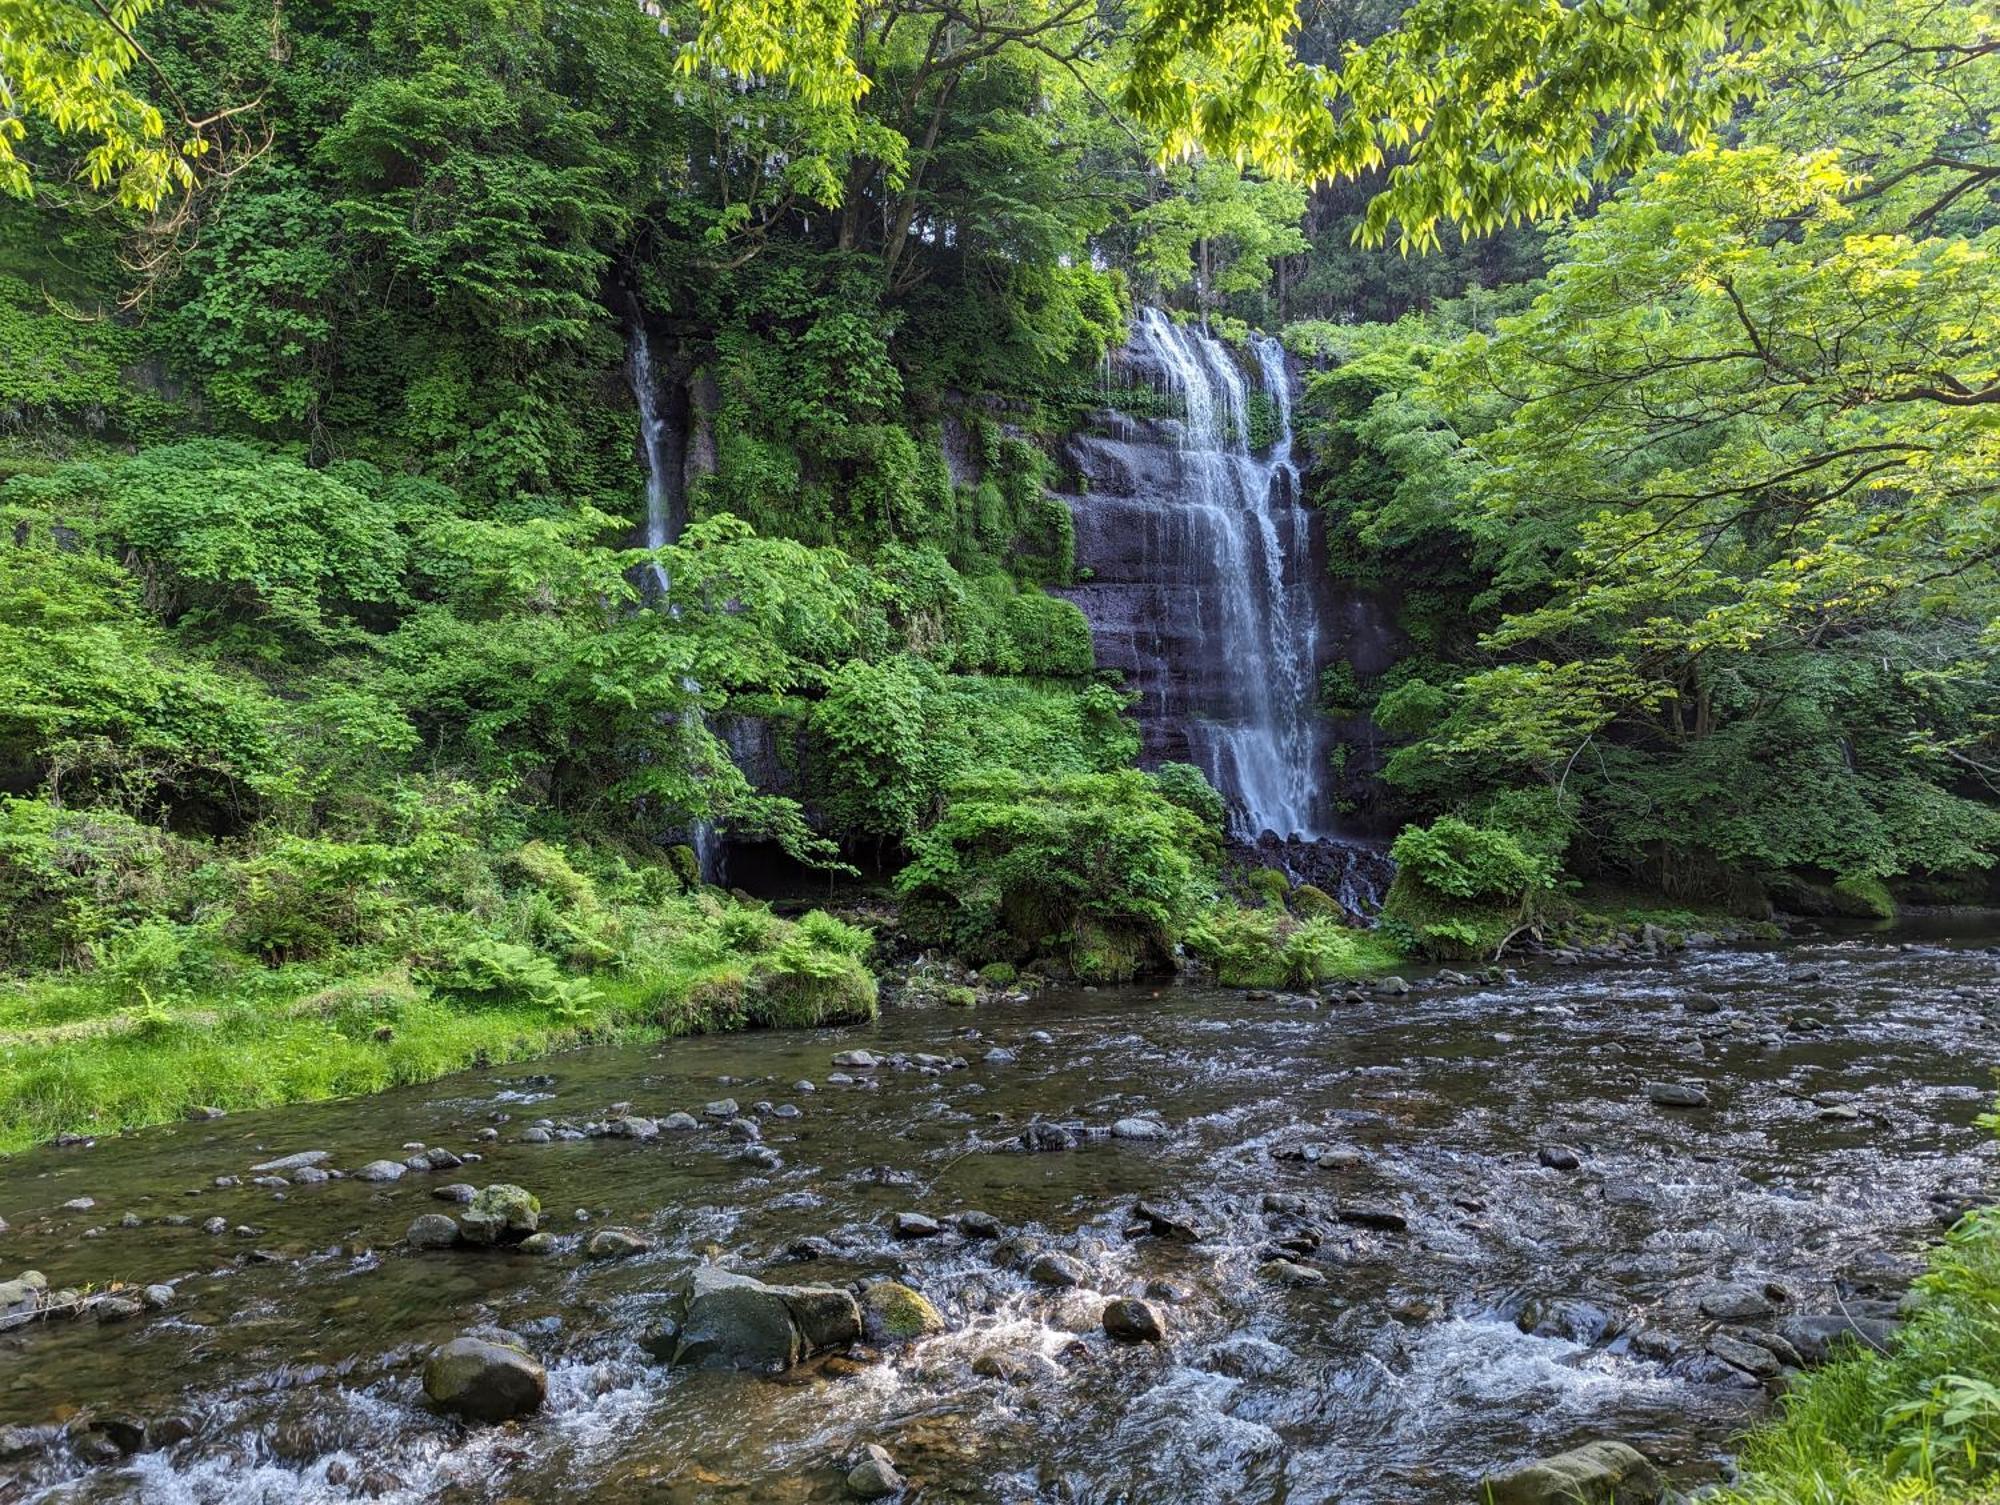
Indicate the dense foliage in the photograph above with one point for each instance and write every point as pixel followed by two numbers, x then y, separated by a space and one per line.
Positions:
pixel 1695 537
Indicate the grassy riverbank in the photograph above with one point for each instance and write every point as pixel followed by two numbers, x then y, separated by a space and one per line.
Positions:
pixel 1917 1425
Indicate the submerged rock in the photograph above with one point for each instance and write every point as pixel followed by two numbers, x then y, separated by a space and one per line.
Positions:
pixel 1016 1366
pixel 298 1162
pixel 1285 1272
pixel 1598 1473
pixel 1676 1095
pixel 893 1313
pixel 875 1476
pixel 732 1321
pixel 979 1225
pixel 482 1381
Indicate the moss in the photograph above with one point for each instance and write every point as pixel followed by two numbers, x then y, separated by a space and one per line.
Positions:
pixel 1269 884
pixel 835 990
pixel 892 1313
pixel 1112 953
pixel 1445 928
pixel 1266 948
pixel 1309 901
pixel 1865 898
pixel 999 974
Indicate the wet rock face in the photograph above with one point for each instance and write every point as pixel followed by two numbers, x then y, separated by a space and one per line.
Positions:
pixel 731 1321
pixel 482 1381
pixel 1599 1473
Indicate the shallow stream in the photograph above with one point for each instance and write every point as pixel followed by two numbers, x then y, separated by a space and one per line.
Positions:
pixel 1523 1308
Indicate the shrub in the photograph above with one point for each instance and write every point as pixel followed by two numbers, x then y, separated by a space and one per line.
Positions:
pixel 1098 870
pixel 1188 787
pixel 1461 890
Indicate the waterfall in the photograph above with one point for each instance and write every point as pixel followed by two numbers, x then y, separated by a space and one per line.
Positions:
pixel 665 517
pixel 1233 536
pixel 663 526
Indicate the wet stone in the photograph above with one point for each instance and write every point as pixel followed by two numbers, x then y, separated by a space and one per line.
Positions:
pixel 432 1230
pixel 1057 1270
pixel 1676 1095
pixel 457 1191
pixel 485 1382
pixel 977 1225
pixel 1734 1303
pixel 380 1170
pixel 617 1243
pixel 1132 1321
pixel 1286 1272
pixel 874 1477
pixel 913 1225
pixel 1599 1473
pixel 1559 1157
pixel 679 1123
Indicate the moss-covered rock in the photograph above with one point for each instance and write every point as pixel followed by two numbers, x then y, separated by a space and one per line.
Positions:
pixel 500 1214
pixel 1310 901
pixel 798 992
pixel 892 1313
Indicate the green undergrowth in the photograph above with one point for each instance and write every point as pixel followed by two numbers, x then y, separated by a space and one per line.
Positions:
pixel 154 974
pixel 1917 1425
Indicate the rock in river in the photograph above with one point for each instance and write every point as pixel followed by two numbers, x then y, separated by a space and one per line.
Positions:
pixel 1058 1270
pixel 893 1313
pixel 433 1230
pixel 1734 1303
pixel 381 1170
pixel 617 1243
pixel 1132 1321
pixel 1818 1338
pixel 500 1214
pixel 914 1225
pixel 875 1476
pixel 731 1321
pixel 1676 1095
pixel 1598 1473
pixel 484 1381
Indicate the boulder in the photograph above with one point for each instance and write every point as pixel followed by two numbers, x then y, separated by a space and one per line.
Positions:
pixel 1057 1270
pixel 1131 1321
pixel 914 1225
pixel 1016 1366
pixel 482 1381
pixel 617 1243
pixel 1598 1473
pixel 679 1123
pixel 381 1170
pixel 1818 1338
pixel 1734 1303
pixel 731 1321
pixel 1284 1272
pixel 433 1230
pixel 893 1313
pixel 979 1225
pixel 875 1476
pixel 500 1214
pixel 1139 1128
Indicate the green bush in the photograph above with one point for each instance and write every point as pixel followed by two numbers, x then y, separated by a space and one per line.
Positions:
pixel 1267 948
pixel 1099 871
pixel 1461 890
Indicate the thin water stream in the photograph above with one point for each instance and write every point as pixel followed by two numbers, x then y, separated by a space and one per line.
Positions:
pixel 1516 1310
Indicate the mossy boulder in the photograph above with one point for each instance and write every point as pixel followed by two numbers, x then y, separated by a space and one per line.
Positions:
pixel 892 1313
pixel 819 989
pixel 500 1214
pixel 1309 901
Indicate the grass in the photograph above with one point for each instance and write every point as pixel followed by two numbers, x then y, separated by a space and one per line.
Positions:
pixel 1918 1425
pixel 91 1052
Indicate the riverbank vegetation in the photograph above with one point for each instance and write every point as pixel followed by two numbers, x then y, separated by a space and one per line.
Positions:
pixel 1918 1421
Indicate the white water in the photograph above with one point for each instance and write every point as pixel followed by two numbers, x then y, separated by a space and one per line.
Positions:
pixel 663 525
pixel 1259 749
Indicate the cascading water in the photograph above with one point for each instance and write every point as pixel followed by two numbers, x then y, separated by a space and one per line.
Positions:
pixel 1202 578
pixel 663 522
pixel 665 517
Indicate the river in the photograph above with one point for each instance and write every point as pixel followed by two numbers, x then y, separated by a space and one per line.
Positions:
pixel 1521 1309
